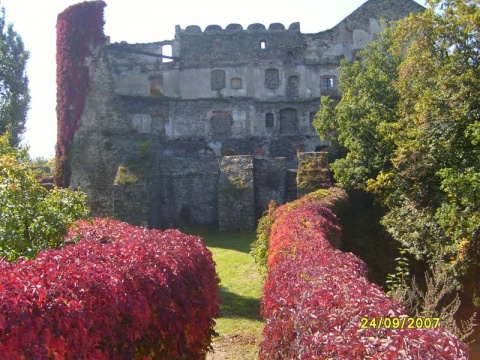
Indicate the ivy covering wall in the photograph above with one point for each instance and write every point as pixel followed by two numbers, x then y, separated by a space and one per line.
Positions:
pixel 79 32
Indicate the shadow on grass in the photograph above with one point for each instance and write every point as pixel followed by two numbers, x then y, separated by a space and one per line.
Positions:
pixel 237 306
pixel 238 241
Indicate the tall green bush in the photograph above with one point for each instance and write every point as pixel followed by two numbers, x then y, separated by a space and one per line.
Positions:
pixel 32 218
pixel 14 93
pixel 409 119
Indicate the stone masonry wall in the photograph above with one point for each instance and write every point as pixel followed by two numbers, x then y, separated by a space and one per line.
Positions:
pixel 269 182
pixel 187 194
pixel 236 197
pixel 131 203
pixel 214 121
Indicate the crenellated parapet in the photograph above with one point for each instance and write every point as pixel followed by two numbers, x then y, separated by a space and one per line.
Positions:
pixel 256 27
pixel 239 46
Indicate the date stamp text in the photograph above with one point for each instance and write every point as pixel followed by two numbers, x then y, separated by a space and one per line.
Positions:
pixel 399 323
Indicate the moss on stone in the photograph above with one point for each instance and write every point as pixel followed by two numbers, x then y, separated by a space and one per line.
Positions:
pixel 125 176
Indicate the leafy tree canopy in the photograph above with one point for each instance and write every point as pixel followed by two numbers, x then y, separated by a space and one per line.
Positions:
pixel 409 120
pixel 32 218
pixel 14 93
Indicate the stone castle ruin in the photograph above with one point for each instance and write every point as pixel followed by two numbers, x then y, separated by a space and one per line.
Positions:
pixel 206 136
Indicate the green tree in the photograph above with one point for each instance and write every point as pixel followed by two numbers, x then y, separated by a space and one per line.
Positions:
pixel 409 119
pixel 14 93
pixel 32 218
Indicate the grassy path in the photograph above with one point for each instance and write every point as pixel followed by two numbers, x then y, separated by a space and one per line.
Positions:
pixel 240 325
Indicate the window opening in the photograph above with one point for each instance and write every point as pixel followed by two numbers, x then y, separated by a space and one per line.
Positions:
pixel 288 121
pixel 294 81
pixel 167 51
pixel 269 121
pixel 217 78
pixel 235 83
pixel 272 78
pixel 327 83
pixel 263 44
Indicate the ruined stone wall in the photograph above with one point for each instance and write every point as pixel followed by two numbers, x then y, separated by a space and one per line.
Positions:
pixel 188 192
pixel 269 182
pixel 350 35
pixel 236 196
pixel 130 203
pixel 100 143
pixel 167 127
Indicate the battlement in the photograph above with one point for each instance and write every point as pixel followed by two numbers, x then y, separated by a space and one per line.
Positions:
pixel 215 29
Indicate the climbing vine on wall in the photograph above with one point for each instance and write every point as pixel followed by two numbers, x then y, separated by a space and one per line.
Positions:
pixel 79 32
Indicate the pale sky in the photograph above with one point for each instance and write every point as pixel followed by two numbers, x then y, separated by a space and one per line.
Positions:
pixel 144 21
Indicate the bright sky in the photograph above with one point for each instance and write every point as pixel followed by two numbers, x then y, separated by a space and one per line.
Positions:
pixel 144 21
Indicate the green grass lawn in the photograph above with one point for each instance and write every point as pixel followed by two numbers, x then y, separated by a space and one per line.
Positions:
pixel 240 325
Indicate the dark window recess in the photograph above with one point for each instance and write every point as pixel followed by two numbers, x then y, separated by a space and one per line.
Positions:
pixel 294 81
pixel 292 89
pixel 221 124
pixel 269 121
pixel 288 122
pixel 272 78
pixel 217 80
pixel 156 85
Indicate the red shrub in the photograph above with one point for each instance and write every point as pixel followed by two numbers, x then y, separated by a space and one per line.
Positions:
pixel 122 292
pixel 315 296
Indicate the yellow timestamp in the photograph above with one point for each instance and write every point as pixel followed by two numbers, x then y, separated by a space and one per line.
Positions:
pixel 399 323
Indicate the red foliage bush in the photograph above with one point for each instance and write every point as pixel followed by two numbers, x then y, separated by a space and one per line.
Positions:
pixel 315 297
pixel 122 292
pixel 79 31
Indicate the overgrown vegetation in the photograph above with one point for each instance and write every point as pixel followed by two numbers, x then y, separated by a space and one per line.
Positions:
pixel 409 122
pixel 44 166
pixel 125 176
pixel 431 301
pixel 259 248
pixel 313 173
pixel 138 164
pixel 32 218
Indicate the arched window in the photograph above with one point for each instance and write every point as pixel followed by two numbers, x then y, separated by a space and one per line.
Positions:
pixel 235 83
pixel 263 44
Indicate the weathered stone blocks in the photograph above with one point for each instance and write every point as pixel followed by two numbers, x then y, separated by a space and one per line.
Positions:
pixel 236 195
